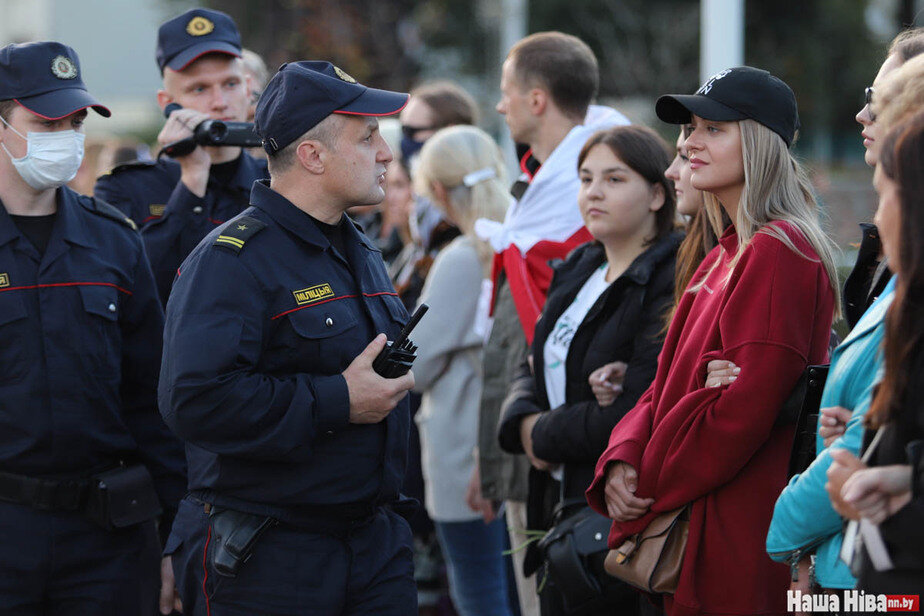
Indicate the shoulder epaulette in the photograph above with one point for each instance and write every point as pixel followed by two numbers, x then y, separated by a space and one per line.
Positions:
pixel 135 164
pixel 108 211
pixel 235 234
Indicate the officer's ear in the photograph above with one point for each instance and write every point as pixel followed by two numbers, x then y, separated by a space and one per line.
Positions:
pixel 309 155
pixel 163 99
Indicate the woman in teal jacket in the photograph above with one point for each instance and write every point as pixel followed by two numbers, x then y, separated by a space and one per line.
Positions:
pixel 803 519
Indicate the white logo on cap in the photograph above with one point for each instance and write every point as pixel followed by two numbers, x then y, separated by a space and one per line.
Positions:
pixel 711 81
pixel 63 68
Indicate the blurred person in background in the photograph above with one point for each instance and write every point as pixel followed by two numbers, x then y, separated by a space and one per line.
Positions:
pixel 255 69
pixel 606 303
pixel 548 83
pixel 433 106
pixel 886 488
pixel 177 202
pixel 398 231
pixel 461 171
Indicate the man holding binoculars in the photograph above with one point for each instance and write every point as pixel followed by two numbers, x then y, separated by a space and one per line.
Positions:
pixel 176 202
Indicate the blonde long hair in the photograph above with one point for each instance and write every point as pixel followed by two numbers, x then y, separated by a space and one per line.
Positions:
pixel 776 188
pixel 900 94
pixel 447 158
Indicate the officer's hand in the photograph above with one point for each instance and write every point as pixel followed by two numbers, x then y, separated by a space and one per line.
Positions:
pixel 372 396
pixel 169 597
pixel 194 167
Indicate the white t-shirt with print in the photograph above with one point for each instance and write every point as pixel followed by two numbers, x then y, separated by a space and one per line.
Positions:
pixel 556 347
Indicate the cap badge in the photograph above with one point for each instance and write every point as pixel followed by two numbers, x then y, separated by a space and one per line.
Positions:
pixel 63 68
pixel 344 75
pixel 199 26
pixel 706 87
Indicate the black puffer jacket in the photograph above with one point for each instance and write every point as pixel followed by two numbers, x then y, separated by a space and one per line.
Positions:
pixel 625 324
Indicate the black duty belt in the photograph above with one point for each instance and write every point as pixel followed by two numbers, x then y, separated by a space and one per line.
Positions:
pixel 44 494
pixel 334 518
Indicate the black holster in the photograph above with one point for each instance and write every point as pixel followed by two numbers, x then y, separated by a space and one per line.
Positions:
pixel 122 497
pixel 234 536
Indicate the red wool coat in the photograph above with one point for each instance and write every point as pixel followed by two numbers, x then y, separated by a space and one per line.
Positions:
pixel 718 448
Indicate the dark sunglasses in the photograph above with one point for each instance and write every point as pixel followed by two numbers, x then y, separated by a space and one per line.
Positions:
pixel 868 100
pixel 411 131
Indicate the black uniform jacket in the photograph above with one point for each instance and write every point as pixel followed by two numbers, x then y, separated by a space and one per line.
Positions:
pixel 264 317
pixel 171 218
pixel 80 347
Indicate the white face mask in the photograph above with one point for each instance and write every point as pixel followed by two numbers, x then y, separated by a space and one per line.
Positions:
pixel 51 160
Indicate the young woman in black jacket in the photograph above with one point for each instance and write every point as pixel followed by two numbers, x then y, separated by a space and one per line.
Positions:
pixel 606 303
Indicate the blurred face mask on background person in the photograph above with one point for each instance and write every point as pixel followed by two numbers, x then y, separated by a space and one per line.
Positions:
pixel 52 159
pixel 417 120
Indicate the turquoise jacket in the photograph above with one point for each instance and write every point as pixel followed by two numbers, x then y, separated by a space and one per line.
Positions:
pixel 803 518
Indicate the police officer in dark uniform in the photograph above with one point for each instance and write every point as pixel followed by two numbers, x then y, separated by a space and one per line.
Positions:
pixel 296 447
pixel 178 202
pixel 86 462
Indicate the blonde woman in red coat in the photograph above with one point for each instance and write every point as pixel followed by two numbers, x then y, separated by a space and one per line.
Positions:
pixel 763 299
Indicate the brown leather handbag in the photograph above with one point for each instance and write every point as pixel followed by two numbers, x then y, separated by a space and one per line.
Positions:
pixel 651 560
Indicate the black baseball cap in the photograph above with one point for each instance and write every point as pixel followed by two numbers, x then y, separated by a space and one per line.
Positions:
pixel 737 93
pixel 195 33
pixel 301 94
pixel 45 78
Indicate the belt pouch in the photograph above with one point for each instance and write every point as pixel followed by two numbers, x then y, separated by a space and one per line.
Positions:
pixel 234 536
pixel 122 497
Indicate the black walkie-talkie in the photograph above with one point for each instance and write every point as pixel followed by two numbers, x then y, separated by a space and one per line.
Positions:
pixel 398 356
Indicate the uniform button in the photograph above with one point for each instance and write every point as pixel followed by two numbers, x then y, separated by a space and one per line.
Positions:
pixel 197 209
pixel 112 307
pixel 330 433
pixel 329 322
